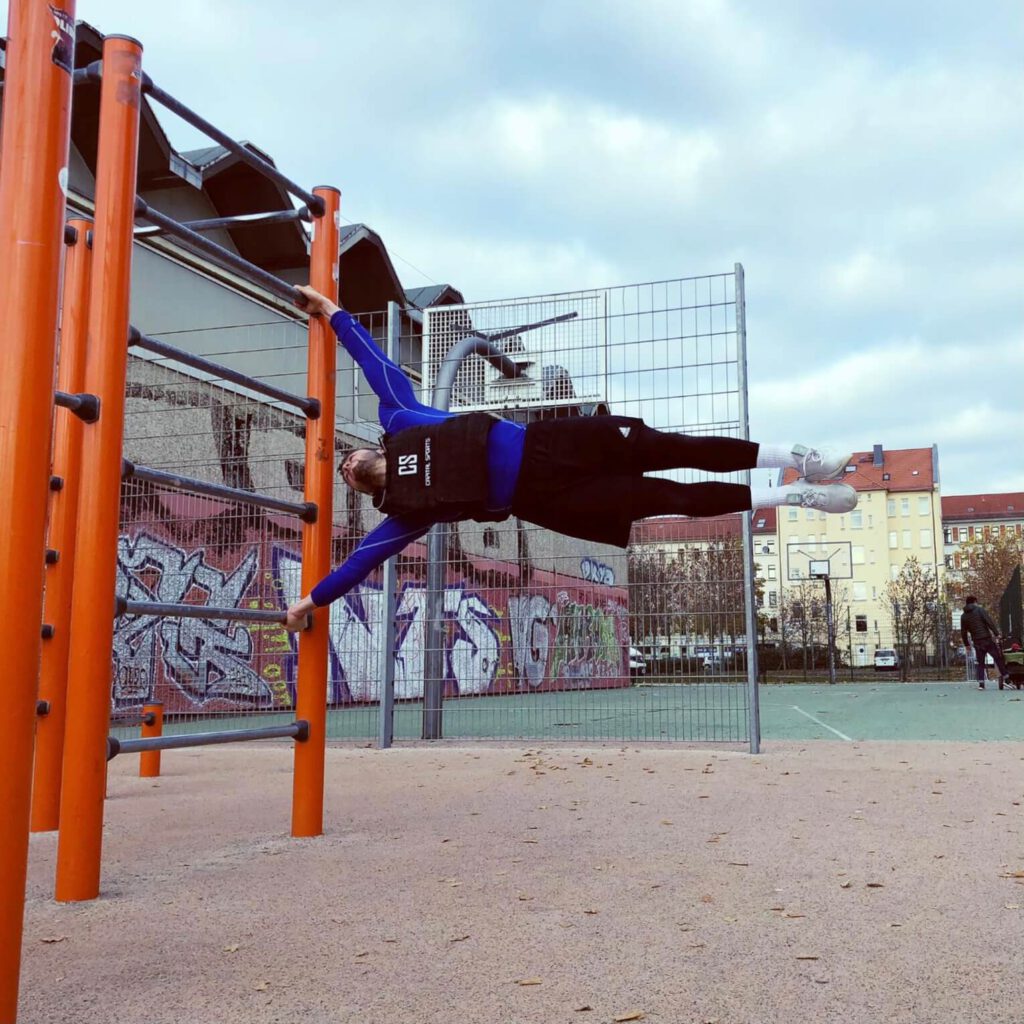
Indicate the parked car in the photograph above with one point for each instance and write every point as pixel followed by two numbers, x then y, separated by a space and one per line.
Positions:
pixel 637 665
pixel 886 659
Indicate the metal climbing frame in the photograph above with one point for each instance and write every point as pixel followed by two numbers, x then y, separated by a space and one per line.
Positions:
pixel 89 467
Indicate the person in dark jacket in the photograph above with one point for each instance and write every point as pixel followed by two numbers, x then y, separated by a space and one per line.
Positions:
pixel 581 476
pixel 977 626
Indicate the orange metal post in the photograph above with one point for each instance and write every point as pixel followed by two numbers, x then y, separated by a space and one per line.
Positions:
pixel 67 449
pixel 149 760
pixel 311 702
pixel 92 605
pixel 33 167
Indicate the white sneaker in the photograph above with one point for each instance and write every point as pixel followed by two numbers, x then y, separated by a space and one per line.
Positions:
pixel 815 465
pixel 831 498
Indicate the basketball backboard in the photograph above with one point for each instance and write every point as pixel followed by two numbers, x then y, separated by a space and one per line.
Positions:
pixel 807 560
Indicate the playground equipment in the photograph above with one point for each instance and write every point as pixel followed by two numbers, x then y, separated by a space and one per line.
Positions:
pixel 73 715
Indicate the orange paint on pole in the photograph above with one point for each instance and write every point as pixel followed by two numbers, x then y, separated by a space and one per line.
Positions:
pixel 92 606
pixel 152 725
pixel 67 450
pixel 311 701
pixel 33 172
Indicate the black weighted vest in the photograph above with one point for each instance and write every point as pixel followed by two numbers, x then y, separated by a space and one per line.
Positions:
pixel 439 469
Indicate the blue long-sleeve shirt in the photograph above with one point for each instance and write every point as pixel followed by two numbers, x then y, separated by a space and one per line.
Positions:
pixel 397 410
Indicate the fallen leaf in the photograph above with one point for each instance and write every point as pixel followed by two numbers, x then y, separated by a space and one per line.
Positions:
pixel 1012 906
pixel 876 885
pixel 459 938
pixel 524 899
pixel 738 864
pixel 845 885
pixel 262 986
pixel 232 949
pixel 793 915
pixel 807 956
pixel 666 821
pixel 528 981
pixel 50 939
pixel 582 1009
pixel 591 911
pixel 632 1015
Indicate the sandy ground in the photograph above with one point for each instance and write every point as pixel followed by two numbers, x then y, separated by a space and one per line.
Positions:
pixel 822 882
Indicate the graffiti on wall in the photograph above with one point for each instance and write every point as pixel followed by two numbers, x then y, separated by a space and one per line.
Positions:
pixel 563 636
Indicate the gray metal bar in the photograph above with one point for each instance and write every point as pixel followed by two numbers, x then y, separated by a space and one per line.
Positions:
pixel 154 92
pixel 310 406
pixel 199 611
pixel 512 331
pixel 433 655
pixel 241 221
pixel 274 285
pixel 305 510
pixel 298 730
pixel 388 632
pixel 748 533
pixel 86 407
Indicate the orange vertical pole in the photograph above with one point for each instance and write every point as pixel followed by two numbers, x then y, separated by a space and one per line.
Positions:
pixel 33 171
pixel 92 604
pixel 67 448
pixel 311 701
pixel 152 725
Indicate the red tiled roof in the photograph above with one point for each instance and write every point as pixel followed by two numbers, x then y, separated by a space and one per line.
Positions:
pixel 899 463
pixel 676 529
pixel 983 506
pixel 766 515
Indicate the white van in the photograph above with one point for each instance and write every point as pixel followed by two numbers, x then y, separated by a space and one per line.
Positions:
pixel 886 659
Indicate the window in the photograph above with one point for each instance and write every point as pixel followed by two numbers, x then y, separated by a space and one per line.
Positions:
pixel 924 506
pixel 792 515
pixel 773 599
pixel 904 506
pixel 874 593
pixel 926 538
pixel 871 519
pixel 856 519
pixel 809 515
pixel 890 506
pixel 907 534
pixel 894 539
pixel 947 535
pixel 857 554
pixel 860 591
pixel 894 571
pixel 862 623
pixel 963 534
pixel 771 572
pixel 491 538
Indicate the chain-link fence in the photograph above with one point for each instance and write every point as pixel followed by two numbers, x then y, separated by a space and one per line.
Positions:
pixel 541 635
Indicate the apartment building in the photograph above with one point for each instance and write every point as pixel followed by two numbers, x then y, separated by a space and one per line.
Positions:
pixel 899 515
pixel 968 517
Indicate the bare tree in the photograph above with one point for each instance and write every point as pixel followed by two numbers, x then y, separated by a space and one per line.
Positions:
pixel 913 602
pixel 986 565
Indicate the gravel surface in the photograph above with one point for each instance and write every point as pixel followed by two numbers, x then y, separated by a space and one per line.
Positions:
pixel 819 882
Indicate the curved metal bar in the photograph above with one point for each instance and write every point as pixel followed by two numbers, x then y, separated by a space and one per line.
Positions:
pixel 473 345
pixel 310 406
pixel 274 285
pixel 305 510
pixel 297 730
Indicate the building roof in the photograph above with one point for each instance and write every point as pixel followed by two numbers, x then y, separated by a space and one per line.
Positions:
pixel 893 469
pixel 971 507
pixel 434 295
pixel 765 520
pixel 682 529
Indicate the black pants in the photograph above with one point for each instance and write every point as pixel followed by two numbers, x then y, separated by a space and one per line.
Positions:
pixel 986 645
pixel 584 476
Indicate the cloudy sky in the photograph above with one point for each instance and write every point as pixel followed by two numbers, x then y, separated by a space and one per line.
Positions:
pixel 863 160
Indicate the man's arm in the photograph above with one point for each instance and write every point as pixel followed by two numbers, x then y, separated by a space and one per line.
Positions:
pixel 399 407
pixel 385 540
pixel 992 627
pixel 964 634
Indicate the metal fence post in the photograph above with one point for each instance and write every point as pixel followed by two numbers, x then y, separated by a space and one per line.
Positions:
pixel 748 535
pixel 67 455
pixel 386 664
pixel 314 645
pixel 92 608
pixel 33 169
